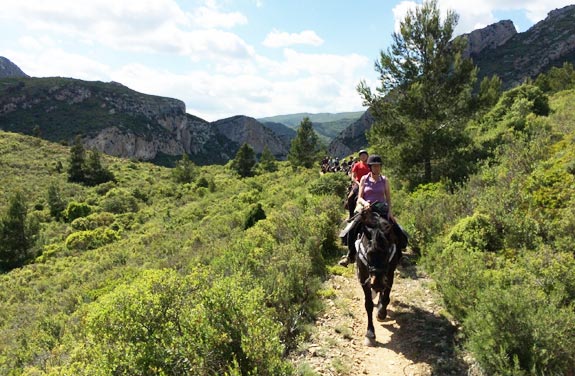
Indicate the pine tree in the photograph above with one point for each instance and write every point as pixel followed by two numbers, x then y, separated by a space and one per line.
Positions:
pixel 94 172
pixel 304 146
pixel 16 234
pixel 267 161
pixel 424 96
pixel 55 202
pixel 244 161
pixel 185 170
pixel 76 169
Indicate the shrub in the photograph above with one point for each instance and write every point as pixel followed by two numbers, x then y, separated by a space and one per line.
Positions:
pixel 76 210
pixel 118 201
pixel 477 232
pixel 93 221
pixel 255 214
pixel 164 322
pixel 91 239
pixel 327 184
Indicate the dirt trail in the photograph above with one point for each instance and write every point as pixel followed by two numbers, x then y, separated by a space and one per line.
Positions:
pixel 416 339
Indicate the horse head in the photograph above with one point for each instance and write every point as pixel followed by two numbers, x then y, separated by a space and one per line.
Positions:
pixel 381 250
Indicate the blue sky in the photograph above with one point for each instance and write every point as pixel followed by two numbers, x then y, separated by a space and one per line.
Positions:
pixel 228 57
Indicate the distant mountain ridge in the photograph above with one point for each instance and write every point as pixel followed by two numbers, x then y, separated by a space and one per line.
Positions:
pixel 122 122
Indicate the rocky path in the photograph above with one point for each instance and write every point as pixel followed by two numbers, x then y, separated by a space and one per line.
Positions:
pixel 416 339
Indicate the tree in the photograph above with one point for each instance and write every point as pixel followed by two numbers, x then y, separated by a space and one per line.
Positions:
pixel 55 202
pixel 185 170
pixel 94 172
pixel 267 161
pixel 244 161
pixel 425 92
pixel 77 160
pixel 304 146
pixel 16 234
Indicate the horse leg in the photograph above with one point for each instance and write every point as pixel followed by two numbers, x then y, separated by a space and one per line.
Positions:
pixel 384 297
pixel 370 333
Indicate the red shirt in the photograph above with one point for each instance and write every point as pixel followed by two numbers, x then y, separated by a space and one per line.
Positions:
pixel 360 169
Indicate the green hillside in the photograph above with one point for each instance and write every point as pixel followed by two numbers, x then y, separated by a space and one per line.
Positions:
pixel 60 108
pixel 158 277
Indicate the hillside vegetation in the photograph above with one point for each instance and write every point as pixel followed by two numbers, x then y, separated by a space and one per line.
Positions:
pixel 501 246
pixel 158 277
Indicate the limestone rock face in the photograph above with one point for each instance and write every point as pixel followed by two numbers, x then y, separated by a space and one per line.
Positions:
pixel 491 36
pixel 114 141
pixel 244 129
pixel 353 138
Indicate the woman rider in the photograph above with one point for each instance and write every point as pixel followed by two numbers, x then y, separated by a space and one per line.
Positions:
pixel 374 194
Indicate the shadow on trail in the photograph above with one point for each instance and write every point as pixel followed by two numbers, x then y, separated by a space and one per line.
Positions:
pixel 423 336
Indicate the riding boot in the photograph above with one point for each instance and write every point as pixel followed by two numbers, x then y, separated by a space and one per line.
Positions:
pixel 351 251
pixel 347 259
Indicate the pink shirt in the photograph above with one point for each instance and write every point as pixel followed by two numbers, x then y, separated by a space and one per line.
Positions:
pixel 374 190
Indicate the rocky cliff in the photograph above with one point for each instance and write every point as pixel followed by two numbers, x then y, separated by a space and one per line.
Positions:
pixel 111 118
pixel 9 69
pixel 244 129
pixel 548 43
pixel 353 138
pixel 490 37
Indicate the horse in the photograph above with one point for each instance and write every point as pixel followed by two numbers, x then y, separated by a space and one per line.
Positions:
pixel 378 254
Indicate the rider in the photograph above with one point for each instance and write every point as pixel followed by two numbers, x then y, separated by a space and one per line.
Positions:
pixel 358 170
pixel 374 194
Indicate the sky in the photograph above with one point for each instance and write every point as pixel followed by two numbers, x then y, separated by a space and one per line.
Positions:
pixel 223 58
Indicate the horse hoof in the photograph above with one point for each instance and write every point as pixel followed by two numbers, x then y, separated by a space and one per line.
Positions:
pixel 381 315
pixel 369 342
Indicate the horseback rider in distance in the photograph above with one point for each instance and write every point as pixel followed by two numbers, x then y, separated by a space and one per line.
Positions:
pixel 359 170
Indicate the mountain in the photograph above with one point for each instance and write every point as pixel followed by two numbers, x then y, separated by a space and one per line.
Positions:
pixel 122 122
pixel 243 129
pixel 550 42
pixel 9 69
pixel 498 49
pixel 326 125
pixel 353 138
pixel 285 133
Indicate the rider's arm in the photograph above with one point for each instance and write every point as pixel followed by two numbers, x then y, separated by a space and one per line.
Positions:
pixel 360 199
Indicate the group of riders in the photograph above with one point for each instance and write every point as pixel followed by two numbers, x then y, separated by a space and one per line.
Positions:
pixel 330 164
pixel 369 190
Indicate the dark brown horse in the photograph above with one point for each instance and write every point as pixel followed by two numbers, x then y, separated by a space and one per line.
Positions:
pixel 378 255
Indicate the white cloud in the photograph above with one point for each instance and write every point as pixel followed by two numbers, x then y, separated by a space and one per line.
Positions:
pixel 209 17
pixel 40 63
pixel 282 39
pixel 152 26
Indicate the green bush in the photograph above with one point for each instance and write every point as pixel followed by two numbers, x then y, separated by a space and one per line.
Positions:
pixel 76 210
pixel 181 325
pixel 335 183
pixel 93 221
pixel 91 239
pixel 477 233
pixel 518 328
pixel 118 201
pixel 255 214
